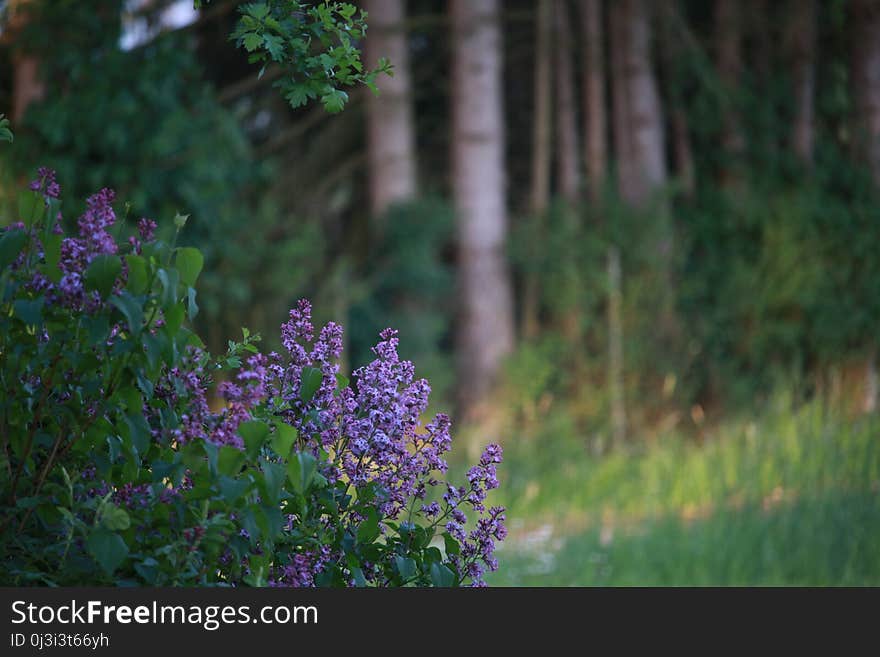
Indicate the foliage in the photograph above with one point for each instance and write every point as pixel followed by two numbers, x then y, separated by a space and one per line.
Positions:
pixel 409 282
pixel 283 32
pixel 146 123
pixel 5 132
pixel 117 468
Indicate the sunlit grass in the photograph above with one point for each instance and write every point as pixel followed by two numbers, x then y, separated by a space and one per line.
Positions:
pixel 792 497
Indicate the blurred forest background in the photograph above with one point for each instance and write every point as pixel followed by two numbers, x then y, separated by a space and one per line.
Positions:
pixel 637 242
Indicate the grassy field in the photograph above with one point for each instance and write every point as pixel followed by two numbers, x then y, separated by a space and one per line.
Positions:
pixel 791 498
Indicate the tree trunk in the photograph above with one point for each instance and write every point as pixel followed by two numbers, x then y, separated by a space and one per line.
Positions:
pixel 539 197
pixel 866 135
pixel 390 132
pixel 567 147
pixel 800 40
pixel 671 58
pixel 486 307
pixel 866 82
pixel 638 118
pixel 729 63
pixel 27 87
pixel 596 151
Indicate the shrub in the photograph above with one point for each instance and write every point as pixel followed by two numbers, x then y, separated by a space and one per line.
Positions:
pixel 132 456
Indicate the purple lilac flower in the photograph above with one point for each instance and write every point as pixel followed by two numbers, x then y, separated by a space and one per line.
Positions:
pixel 45 183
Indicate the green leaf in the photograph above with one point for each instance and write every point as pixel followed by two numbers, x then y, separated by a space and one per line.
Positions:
pixel 108 549
pixel 254 434
pixel 148 569
pixel 257 9
pixel 252 41
pixel 189 263
pixel 230 460
pixel 406 567
pixel 102 274
pixel 368 530
pixel 452 546
pixel 52 256
pixel 310 382
pixel 232 489
pixel 138 276
pixel 358 576
pixel 131 308
pixel 275 46
pixel 441 575
pixel 139 432
pixel 174 319
pixel 273 479
pixel 30 312
pixel 301 470
pixel 283 439
pixel 30 206
pixel 11 245
pixel 192 308
pixel 334 100
pixel 169 279
pixel 114 518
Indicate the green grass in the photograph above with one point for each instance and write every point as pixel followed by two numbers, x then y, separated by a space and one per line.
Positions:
pixel 792 498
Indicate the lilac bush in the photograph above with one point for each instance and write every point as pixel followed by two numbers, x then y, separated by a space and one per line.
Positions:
pixel 132 456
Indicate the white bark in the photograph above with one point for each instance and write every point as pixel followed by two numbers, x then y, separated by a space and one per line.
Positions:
pixel 638 119
pixel 390 131
pixel 486 305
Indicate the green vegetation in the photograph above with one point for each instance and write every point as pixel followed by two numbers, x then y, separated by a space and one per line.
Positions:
pixel 792 498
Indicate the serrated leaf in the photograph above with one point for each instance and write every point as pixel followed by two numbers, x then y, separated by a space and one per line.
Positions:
pixel 252 41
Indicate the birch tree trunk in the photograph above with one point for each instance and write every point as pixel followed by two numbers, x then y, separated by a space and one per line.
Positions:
pixel 639 141
pixel 390 131
pixel 486 307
